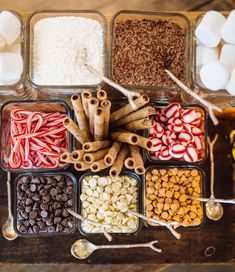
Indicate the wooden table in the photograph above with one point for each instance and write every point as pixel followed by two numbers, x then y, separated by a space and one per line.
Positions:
pixel 190 249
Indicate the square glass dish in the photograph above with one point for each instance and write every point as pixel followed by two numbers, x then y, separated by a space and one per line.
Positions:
pixel 200 132
pixel 94 202
pixel 55 89
pixel 40 202
pixel 164 92
pixel 220 96
pixel 8 91
pixel 51 138
pixel 165 194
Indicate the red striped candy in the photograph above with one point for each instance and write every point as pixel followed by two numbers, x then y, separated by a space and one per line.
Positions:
pixel 173 110
pixel 157 144
pixel 191 154
pixel 164 154
pixel 188 116
pixel 185 138
pixel 177 150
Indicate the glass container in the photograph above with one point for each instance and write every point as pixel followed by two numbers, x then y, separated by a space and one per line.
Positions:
pixel 158 93
pixel 46 106
pixel 59 91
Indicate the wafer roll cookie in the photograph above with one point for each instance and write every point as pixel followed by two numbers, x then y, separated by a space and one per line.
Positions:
pixel 80 114
pixel 99 124
pixel 116 169
pixel 125 137
pixel 66 157
pixel 101 95
pixel 93 104
pixel 129 163
pixel 139 102
pixel 142 113
pixel 86 96
pixel 106 105
pixel 95 156
pixel 77 154
pixel 140 124
pixel 139 164
pixel 81 166
pixel 112 153
pixel 98 166
pixel 144 143
pixel 94 146
pixel 80 135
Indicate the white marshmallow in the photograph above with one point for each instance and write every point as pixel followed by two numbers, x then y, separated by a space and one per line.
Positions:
pixel 228 30
pixel 208 31
pixel 214 75
pixel 205 55
pixel 10 27
pixel 230 87
pixel 2 43
pixel 227 55
pixel 11 67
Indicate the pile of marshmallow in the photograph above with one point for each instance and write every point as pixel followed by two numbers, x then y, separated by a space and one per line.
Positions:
pixel 215 67
pixel 177 134
pixel 11 62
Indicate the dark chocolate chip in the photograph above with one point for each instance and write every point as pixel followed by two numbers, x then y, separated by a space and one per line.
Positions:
pixel 44 214
pixel 53 192
pixel 44 206
pixel 28 201
pixel 33 214
pixel 49 222
pixel 57 220
pixel 33 187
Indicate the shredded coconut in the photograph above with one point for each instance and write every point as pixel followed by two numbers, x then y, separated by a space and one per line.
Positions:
pixel 57 47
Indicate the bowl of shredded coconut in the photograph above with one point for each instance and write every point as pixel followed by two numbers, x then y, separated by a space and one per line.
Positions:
pixel 57 42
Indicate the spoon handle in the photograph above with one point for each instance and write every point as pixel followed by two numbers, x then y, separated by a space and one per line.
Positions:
pixel 148 245
pixel 9 193
pixel 218 200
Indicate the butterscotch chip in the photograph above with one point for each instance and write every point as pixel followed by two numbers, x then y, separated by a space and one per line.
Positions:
pixel 164 215
pixel 150 184
pixel 165 184
pixel 160 206
pixel 176 195
pixel 182 198
pixel 176 187
pixel 155 203
pixel 190 190
pixel 150 190
pixel 155 172
pixel 156 192
pixel 174 171
pixel 180 173
pixel 157 185
pixel 197 190
pixel 165 178
pixel 168 200
pixel 169 194
pixel 147 201
pixel 152 197
pixel 149 207
pixel 182 190
pixel 149 213
pixel 196 221
pixel 161 200
pixel 162 172
pixel 166 206
pixel 175 206
pixel 148 177
pixel 162 191
pixel 154 178
pixel 194 173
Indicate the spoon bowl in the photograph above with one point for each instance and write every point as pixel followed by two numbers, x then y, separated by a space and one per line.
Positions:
pixel 8 231
pixel 214 210
pixel 82 249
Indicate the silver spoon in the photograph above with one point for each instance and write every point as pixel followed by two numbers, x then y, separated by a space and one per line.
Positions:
pixel 214 210
pixel 8 229
pixel 82 248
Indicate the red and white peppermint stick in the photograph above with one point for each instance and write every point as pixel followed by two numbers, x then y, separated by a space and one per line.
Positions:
pixel 37 139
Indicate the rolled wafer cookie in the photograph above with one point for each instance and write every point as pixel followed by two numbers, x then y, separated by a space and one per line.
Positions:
pixel 95 156
pixel 98 165
pixel 139 114
pixel 80 114
pixel 106 105
pixel 80 135
pixel 94 146
pixel 112 153
pixel 125 137
pixel 99 124
pixel 116 169
pixel 101 95
pixel 86 96
pixel 77 154
pixel 140 124
pixel 93 104
pixel 139 164
pixel 66 157
pixel 129 163
pixel 81 166
pixel 139 102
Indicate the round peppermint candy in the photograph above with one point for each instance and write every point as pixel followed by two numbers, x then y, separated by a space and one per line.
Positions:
pixel 191 154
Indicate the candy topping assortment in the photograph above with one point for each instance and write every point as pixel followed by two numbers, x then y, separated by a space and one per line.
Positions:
pixel 105 200
pixel 37 139
pixel 166 196
pixel 178 134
